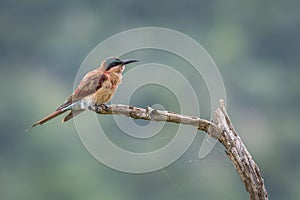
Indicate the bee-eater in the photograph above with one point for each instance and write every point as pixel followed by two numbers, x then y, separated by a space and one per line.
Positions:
pixel 95 89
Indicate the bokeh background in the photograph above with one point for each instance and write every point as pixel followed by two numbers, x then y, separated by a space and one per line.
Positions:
pixel 42 44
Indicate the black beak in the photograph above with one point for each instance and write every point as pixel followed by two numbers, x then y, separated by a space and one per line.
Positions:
pixel 125 62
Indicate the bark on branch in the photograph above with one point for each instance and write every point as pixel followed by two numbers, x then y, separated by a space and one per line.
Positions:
pixel 220 128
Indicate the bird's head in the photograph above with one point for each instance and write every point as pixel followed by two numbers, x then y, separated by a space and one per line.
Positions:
pixel 116 64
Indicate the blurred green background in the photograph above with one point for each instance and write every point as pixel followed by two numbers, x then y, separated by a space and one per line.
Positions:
pixel 42 44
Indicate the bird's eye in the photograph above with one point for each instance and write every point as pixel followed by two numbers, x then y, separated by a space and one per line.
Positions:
pixel 112 62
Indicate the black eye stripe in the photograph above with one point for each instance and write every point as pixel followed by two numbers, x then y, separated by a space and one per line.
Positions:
pixel 114 63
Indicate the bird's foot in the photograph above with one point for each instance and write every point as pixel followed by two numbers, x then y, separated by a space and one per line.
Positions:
pixel 98 107
pixel 103 107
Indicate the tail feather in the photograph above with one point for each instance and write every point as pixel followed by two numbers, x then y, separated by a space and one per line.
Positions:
pixel 72 114
pixel 47 118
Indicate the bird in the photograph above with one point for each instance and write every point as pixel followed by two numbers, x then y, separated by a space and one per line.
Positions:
pixel 95 89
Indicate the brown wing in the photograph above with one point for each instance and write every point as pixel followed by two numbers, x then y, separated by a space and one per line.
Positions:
pixel 90 83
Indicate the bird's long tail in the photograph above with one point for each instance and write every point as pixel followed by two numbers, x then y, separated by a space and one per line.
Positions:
pixel 72 114
pixel 47 118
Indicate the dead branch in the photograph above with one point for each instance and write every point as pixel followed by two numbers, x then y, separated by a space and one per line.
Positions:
pixel 220 128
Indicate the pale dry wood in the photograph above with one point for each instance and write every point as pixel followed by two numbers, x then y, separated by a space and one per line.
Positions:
pixel 220 128
pixel 239 155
